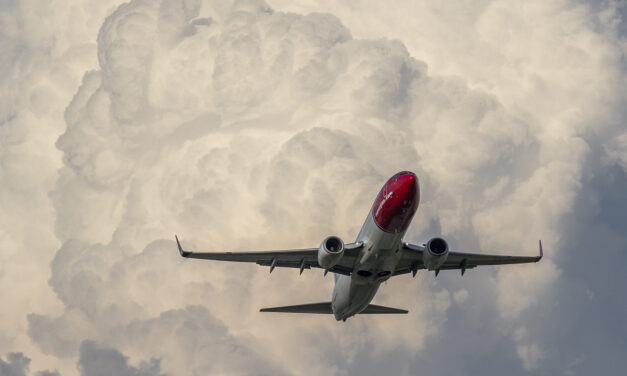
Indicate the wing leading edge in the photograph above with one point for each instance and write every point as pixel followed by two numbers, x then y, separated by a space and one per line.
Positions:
pixel 305 258
pixel 411 259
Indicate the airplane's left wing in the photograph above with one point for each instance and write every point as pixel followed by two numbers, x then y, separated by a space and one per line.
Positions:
pixel 291 258
pixel 411 259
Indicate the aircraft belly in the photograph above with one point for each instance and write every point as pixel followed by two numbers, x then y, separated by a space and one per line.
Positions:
pixel 377 263
pixel 380 256
pixel 351 297
pixel 360 298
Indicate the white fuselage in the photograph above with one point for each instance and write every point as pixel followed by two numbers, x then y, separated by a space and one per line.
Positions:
pixel 377 261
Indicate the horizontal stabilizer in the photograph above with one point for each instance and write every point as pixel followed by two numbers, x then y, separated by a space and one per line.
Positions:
pixel 377 309
pixel 325 308
pixel 303 308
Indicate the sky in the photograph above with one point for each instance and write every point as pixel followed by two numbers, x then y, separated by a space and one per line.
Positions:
pixel 251 125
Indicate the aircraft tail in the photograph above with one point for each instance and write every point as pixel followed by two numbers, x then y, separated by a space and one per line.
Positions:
pixel 325 308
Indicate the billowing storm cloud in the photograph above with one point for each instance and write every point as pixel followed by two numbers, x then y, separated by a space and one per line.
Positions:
pixel 238 125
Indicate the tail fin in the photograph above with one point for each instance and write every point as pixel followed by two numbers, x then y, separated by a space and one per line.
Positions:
pixel 325 308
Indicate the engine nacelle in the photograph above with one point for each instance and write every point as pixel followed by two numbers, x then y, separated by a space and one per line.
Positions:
pixel 330 252
pixel 435 254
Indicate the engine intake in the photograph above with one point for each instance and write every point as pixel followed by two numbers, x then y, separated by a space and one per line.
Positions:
pixel 436 253
pixel 330 252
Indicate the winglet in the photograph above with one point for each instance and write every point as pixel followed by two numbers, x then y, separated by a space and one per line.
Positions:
pixel 181 251
pixel 541 252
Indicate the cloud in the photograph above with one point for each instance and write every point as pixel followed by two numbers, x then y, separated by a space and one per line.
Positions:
pixel 240 126
pixel 95 360
pixel 17 364
pixel 47 373
pixel 616 151
pixel 123 117
pixel 112 301
pixel 460 296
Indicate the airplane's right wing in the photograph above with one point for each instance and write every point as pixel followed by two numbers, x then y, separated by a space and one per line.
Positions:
pixel 292 258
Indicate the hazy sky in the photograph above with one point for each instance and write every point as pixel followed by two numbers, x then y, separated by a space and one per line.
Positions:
pixel 250 125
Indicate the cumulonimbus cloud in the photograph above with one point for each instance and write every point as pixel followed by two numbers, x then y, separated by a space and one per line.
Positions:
pixel 241 127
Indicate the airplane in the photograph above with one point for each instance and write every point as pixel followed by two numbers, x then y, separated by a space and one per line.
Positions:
pixel 377 254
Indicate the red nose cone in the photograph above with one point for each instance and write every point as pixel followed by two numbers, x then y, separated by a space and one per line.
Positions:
pixel 397 202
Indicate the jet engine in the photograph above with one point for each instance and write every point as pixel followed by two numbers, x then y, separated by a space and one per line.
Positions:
pixel 330 252
pixel 435 254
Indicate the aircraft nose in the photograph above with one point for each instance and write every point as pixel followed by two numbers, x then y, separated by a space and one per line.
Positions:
pixel 397 202
pixel 410 183
pixel 410 190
